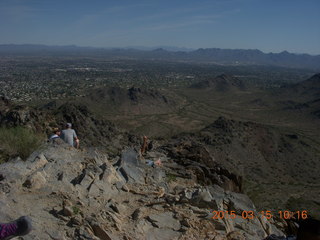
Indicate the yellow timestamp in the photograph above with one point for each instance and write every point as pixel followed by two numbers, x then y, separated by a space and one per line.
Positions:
pixel 285 214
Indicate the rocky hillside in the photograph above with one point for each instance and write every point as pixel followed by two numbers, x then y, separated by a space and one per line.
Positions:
pixel 309 88
pixel 275 165
pixel 92 130
pixel 221 83
pixel 132 100
pixel 106 191
pixel 303 97
pixel 84 194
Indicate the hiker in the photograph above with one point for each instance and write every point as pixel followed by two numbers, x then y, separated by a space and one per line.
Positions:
pixel 154 163
pixel 55 138
pixel 19 227
pixel 56 134
pixel 143 150
pixel 144 145
pixel 69 136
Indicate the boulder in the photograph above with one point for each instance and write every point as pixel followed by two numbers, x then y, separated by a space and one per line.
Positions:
pixel 130 168
pixel 35 181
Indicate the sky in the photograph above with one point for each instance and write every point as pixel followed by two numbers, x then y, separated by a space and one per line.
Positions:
pixel 267 25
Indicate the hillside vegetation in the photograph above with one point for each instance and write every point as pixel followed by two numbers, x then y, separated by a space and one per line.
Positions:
pixel 18 141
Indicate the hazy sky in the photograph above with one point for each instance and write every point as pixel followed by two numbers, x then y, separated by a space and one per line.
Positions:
pixel 268 25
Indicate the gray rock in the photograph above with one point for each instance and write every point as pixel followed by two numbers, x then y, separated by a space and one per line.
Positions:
pixel 100 232
pixel 162 234
pixel 235 235
pixel 55 235
pixel 75 221
pixel 35 181
pixel 4 187
pixel 17 170
pixel 219 225
pixel 137 214
pixel 164 220
pixel 239 202
pixel 130 168
pixel 121 209
pixel 86 180
pixel 251 229
pixel 203 199
pixel 67 211
pixel 143 226
pixel 156 174
pixel 125 188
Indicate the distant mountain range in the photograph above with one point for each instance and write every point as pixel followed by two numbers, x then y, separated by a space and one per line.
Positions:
pixel 208 55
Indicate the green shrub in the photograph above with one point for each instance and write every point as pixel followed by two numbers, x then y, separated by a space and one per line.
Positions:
pixel 75 210
pixel 18 141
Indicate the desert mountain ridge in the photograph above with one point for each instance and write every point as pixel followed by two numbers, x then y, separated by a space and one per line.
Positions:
pixel 303 96
pixel 309 87
pixel 221 83
pixel 134 100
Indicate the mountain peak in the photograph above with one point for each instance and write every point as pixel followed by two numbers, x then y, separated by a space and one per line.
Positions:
pixel 221 83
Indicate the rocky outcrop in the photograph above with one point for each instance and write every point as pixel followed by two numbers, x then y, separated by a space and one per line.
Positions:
pixel 84 194
pixel 195 157
pixel 18 115
pixel 260 154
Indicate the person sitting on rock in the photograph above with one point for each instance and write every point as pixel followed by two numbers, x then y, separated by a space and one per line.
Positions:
pixel 154 163
pixel 143 150
pixel 19 227
pixel 56 134
pixel 69 136
pixel 55 138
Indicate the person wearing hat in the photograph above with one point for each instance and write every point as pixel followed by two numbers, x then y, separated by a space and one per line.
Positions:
pixel 69 136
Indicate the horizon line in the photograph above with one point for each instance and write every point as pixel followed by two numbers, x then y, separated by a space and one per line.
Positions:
pixel 151 48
